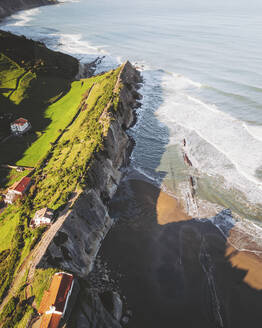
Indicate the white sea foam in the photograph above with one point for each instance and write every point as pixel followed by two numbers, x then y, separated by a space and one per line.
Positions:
pixel 75 45
pixel 254 130
pixel 23 18
pixel 235 152
pixel 183 82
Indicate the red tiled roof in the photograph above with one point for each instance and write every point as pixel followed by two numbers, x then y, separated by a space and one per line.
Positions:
pixel 57 293
pixel 50 320
pixel 20 121
pixel 14 185
pixel 22 185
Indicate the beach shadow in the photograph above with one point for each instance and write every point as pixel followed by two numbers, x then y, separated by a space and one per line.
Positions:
pixel 179 272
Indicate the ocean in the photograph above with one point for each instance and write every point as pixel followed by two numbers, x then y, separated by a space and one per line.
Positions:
pixel 202 91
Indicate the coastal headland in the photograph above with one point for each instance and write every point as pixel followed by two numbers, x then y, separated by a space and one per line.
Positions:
pixel 140 259
pixel 76 148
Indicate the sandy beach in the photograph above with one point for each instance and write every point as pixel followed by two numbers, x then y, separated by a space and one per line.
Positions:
pixel 177 271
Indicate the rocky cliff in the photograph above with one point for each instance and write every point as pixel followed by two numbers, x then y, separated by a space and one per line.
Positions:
pixel 8 7
pixel 77 242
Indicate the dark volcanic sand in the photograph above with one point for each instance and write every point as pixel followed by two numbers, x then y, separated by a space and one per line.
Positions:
pixel 178 274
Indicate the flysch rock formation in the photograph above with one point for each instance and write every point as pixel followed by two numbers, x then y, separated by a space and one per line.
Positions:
pixel 77 242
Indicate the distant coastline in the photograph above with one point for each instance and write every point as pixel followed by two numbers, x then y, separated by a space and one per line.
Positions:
pixel 170 250
pixel 9 7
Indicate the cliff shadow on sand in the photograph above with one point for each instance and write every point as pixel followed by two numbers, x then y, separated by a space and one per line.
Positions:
pixel 174 270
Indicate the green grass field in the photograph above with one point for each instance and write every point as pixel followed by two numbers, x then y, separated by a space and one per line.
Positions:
pixel 60 113
pixel 48 102
pixel 77 145
pixel 64 166
pixel 8 223
pixel 10 72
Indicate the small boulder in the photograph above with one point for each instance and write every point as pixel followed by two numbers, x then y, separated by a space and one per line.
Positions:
pixel 112 303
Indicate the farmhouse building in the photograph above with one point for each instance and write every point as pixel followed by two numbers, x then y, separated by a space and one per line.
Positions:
pixel 54 302
pixel 51 319
pixel 20 126
pixel 17 190
pixel 43 216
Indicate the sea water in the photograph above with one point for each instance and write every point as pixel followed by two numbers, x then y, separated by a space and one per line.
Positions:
pixel 202 91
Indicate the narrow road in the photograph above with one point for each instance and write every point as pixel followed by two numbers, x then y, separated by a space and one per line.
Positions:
pixel 42 246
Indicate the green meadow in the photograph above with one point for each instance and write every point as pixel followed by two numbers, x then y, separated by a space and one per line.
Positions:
pixel 64 165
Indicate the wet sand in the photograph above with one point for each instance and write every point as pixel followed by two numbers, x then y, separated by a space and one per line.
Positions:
pixel 177 271
pixel 168 209
pixel 251 263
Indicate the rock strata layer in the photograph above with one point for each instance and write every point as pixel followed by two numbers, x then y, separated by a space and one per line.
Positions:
pixel 77 242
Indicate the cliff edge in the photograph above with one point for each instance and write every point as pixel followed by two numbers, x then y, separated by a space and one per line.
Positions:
pixel 77 241
pixel 9 7
pixel 76 150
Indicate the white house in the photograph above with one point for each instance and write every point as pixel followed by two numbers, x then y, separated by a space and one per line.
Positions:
pixel 20 126
pixel 43 216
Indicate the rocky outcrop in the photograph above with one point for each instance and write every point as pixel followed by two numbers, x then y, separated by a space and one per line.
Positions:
pixel 8 7
pixel 90 312
pixel 78 240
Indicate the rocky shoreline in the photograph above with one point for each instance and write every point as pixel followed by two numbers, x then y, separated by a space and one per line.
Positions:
pixel 195 250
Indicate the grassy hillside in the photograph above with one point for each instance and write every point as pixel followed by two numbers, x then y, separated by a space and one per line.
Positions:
pixel 32 80
pixel 70 120
pixel 60 114
pixel 60 173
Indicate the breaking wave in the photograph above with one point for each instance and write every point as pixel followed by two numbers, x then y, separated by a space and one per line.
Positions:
pixel 22 18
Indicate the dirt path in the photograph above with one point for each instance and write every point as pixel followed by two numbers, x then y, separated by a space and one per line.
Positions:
pixel 42 246
pixel 31 261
